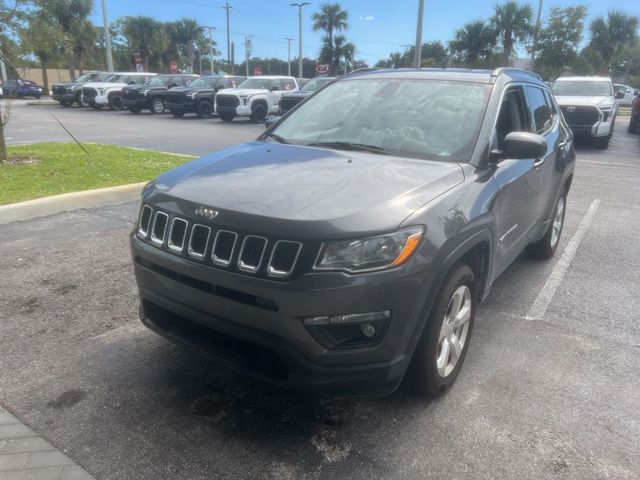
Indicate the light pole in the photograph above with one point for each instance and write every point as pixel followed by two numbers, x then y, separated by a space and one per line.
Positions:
pixel 300 5
pixel 230 66
pixel 247 51
pixel 417 58
pixel 107 37
pixel 535 37
pixel 289 40
pixel 213 68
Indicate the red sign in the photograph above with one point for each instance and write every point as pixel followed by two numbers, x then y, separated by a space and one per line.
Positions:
pixel 137 58
pixel 322 68
pixel 173 66
pixel 257 71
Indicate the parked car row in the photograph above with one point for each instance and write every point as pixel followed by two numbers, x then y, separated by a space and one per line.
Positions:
pixel 20 89
pixel 252 97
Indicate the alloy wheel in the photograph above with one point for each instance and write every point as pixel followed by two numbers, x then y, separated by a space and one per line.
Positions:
pixel 454 331
pixel 558 219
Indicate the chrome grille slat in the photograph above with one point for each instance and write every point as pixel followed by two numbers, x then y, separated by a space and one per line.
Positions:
pixel 243 264
pixel 276 272
pixel 145 221
pixel 198 252
pixel 220 259
pixel 184 226
pixel 163 218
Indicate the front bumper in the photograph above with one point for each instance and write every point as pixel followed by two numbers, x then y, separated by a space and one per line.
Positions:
pixel 65 97
pixel 189 106
pixel 275 345
pixel 139 103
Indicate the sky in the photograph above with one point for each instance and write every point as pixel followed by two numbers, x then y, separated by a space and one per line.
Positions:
pixel 377 27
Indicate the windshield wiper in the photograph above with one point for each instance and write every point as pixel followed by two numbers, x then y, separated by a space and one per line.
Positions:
pixel 276 137
pixel 350 146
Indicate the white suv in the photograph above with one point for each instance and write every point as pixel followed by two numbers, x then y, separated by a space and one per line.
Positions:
pixel 256 98
pixel 589 106
pixel 100 94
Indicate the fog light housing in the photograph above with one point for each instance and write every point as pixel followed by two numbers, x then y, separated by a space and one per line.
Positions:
pixel 348 330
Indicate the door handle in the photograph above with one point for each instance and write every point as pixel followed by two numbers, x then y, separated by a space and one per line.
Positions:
pixel 538 162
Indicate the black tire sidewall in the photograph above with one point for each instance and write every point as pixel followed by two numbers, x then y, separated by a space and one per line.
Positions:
pixel 209 109
pixel 115 102
pixel 258 113
pixel 422 376
pixel 154 102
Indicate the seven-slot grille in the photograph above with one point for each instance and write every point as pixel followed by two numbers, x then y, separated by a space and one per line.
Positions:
pixel 131 94
pixel 227 101
pixel 59 89
pixel 287 102
pixel 581 116
pixel 176 98
pixel 89 92
pixel 252 254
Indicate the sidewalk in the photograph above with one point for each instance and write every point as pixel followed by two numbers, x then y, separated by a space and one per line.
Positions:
pixel 24 455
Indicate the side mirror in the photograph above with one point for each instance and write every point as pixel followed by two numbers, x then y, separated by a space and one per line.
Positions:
pixel 523 146
pixel 619 94
pixel 270 120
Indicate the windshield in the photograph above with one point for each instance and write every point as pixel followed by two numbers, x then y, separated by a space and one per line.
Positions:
pixel 416 118
pixel 257 83
pixel 591 88
pixel 115 78
pixel 205 82
pixel 86 78
pixel 316 84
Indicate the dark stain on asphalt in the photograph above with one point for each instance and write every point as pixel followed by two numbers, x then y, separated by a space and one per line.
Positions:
pixel 66 288
pixel 68 399
pixel 560 466
pixel 28 304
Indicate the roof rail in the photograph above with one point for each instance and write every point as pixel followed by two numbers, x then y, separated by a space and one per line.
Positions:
pixel 506 70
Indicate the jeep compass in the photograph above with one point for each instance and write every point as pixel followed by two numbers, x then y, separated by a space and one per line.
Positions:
pixel 347 248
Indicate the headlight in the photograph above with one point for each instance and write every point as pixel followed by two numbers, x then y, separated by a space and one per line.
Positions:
pixel 371 253
pixel 192 95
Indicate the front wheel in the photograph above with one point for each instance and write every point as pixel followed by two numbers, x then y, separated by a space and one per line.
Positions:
pixel 205 110
pixel 633 127
pixel 603 142
pixel 66 103
pixel 546 247
pixel 157 106
pixel 258 113
pixel 445 340
pixel 115 102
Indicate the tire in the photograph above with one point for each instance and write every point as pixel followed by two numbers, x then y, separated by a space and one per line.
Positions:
pixel 37 97
pixel 66 103
pixel 96 106
pixel 157 106
pixel 633 127
pixel 436 363
pixel 603 142
pixel 135 110
pixel 115 103
pixel 226 117
pixel 178 114
pixel 258 113
pixel 546 247
pixel 205 109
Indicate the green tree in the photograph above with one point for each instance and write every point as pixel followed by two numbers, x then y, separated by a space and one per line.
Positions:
pixel 559 39
pixel 42 38
pixel 511 22
pixel 186 33
pixel 146 36
pixel 473 43
pixel 331 18
pixel 609 36
pixel 72 17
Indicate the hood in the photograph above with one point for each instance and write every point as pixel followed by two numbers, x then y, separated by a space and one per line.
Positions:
pixel 565 100
pixel 68 84
pixel 244 91
pixel 142 88
pixel 104 85
pixel 192 89
pixel 333 193
pixel 298 94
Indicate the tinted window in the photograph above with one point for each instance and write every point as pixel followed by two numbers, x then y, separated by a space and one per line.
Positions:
pixel 583 88
pixel 513 116
pixel 415 118
pixel 287 84
pixel 539 109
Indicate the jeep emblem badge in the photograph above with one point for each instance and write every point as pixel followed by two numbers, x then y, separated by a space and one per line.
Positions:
pixel 208 213
pixel 571 109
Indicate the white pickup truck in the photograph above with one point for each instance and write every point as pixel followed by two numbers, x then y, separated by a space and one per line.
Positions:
pixel 101 94
pixel 256 98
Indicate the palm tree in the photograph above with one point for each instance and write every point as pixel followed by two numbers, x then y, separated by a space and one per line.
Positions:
pixel 512 23
pixel 147 36
pixel 610 36
pixel 475 40
pixel 331 18
pixel 188 32
pixel 69 14
pixel 342 50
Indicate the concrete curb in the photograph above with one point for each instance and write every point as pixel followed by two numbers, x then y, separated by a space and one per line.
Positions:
pixel 65 202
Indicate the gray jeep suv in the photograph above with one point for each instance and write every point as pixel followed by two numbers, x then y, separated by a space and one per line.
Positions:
pixel 348 247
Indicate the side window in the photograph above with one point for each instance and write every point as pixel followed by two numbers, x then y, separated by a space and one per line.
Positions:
pixel 288 84
pixel 541 112
pixel 513 116
pixel 552 105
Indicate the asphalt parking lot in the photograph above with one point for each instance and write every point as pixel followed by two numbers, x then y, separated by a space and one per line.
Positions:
pixel 550 387
pixel 189 135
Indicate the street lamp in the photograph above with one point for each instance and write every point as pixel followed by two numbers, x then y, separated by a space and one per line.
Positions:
pixel 210 49
pixel 300 5
pixel 107 37
pixel 289 40
pixel 417 56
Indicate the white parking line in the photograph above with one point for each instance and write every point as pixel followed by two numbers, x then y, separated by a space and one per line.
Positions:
pixel 541 303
